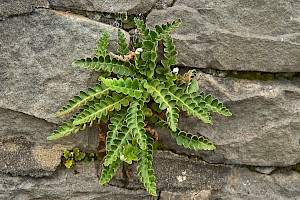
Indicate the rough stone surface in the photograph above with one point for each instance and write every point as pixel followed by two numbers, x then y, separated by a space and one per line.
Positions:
pixel 80 183
pixel 163 4
pixel 16 7
pixel 35 131
pixel 264 128
pixel 265 170
pixel 36 79
pixel 24 149
pixel 236 35
pixel 37 50
pixel 244 184
pixel 180 174
pixel 199 195
pixel 112 6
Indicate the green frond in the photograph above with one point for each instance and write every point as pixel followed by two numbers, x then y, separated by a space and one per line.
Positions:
pixel 132 87
pixel 102 44
pixel 110 103
pixel 122 44
pixel 117 120
pixel 128 154
pixel 135 122
pixel 161 95
pixel 212 104
pixel 107 64
pixel 169 52
pixel 193 86
pixel 82 98
pixel 189 140
pixel 149 41
pixel 145 169
pixel 187 103
pixel 149 70
pixel 109 171
pixel 141 26
pixel 66 129
pixel 216 106
pixel 116 145
pixel 147 64
pixel 166 28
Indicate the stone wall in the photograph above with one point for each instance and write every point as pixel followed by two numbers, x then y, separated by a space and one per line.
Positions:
pixel 247 53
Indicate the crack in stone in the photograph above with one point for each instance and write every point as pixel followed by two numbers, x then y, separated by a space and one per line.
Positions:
pixel 24 113
pixel 249 75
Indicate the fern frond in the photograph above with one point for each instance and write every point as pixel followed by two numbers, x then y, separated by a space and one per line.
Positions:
pixel 192 86
pixel 110 103
pixel 141 26
pixel 83 98
pixel 117 120
pixel 109 171
pixel 145 169
pixel 166 28
pixel 149 43
pixel 122 44
pixel 107 64
pixel 188 104
pixel 135 122
pixel 117 145
pixel 66 129
pixel 102 44
pixel 132 87
pixel 169 52
pixel 162 96
pixel 212 104
pixel 128 154
pixel 189 140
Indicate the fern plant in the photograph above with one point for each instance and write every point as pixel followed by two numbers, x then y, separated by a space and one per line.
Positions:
pixel 136 91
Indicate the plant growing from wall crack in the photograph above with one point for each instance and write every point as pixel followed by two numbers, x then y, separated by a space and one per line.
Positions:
pixel 137 90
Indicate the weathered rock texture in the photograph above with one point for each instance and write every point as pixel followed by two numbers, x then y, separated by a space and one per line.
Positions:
pixel 17 7
pixel 111 6
pixel 179 178
pixel 81 184
pixel 37 51
pixel 38 45
pixel 236 35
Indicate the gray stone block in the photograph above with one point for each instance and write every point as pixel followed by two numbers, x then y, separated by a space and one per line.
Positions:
pixel 24 149
pixel 37 50
pixel 235 35
pixel 16 7
pixel 111 6
pixel 179 174
pixel 80 183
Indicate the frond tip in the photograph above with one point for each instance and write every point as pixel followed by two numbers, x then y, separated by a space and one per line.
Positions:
pixel 145 169
pixel 98 110
pixel 82 98
pixel 66 129
pixel 107 64
pixel 102 44
pixel 109 171
pixel 189 140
